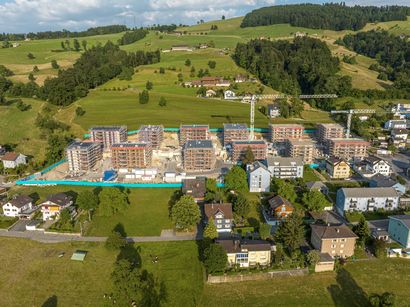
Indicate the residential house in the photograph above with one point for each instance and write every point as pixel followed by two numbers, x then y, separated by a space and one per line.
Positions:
pixel 54 204
pixel 181 48
pixel 247 253
pixel 195 187
pixel 337 168
pixel 317 186
pixel 372 165
pixel 240 78
pixel 273 110
pixel 336 240
pixel 381 181
pixel 399 229
pixel 2 151
pixel 278 210
pixel 210 93
pixel 399 134
pixel 395 124
pixel 19 206
pixel 229 94
pixel 259 177
pixel 285 167
pixel 221 214
pixel 13 159
pixel 366 199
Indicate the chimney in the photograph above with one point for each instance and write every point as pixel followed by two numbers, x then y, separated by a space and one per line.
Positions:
pixel 337 230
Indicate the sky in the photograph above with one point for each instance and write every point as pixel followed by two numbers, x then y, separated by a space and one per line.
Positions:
pixel 22 16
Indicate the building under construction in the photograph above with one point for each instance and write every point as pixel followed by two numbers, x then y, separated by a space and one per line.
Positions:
pixel 193 133
pixel 282 132
pixel 108 135
pixel 348 148
pixel 235 132
pixel 198 156
pixel 83 156
pixel 329 131
pixel 131 155
pixel 239 148
pixel 151 134
pixel 303 148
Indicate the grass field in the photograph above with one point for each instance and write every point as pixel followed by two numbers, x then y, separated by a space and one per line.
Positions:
pixel 30 265
pixel 84 283
pixel 17 128
pixel 147 214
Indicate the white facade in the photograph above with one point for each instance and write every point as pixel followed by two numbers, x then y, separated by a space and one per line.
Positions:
pixel 14 211
pixel 229 94
pixel 366 199
pixel 395 124
pixel 285 168
pixel 20 160
pixel 259 178
pixel 379 167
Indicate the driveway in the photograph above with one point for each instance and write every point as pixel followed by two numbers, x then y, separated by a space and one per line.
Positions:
pixel 20 226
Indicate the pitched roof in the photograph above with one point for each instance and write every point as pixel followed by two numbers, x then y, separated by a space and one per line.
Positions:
pixel 212 209
pixel 315 185
pixel 331 232
pixel 405 219
pixel 60 199
pixel 383 181
pixel 236 246
pixel 10 156
pixel 256 165
pixel 335 161
pixel 195 187
pixel 369 192
pixel 20 201
pixel 278 201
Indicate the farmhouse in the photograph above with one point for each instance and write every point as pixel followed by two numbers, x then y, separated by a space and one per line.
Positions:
pixel 13 159
pixel 19 206
pixel 195 187
pixel 221 214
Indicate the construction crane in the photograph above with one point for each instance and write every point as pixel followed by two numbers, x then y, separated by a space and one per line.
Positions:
pixel 350 114
pixel 254 98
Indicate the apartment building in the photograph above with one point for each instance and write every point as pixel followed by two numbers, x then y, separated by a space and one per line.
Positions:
pixel 285 168
pixel 348 149
pixel 247 253
pixel 259 177
pixel 83 156
pixel 335 240
pixel 258 147
pixel 329 131
pixel 108 135
pixel 301 148
pixel 337 168
pixel 131 155
pixel 198 156
pixel 282 132
pixel 366 199
pixel 235 132
pixel 193 133
pixel 153 134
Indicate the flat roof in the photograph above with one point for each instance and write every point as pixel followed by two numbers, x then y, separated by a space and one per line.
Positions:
pixel 284 161
pixel 108 128
pixel 194 126
pixel 129 145
pixel 82 145
pixel 249 142
pixel 331 125
pixel 235 127
pixel 198 144
pixel 301 141
pixel 348 140
pixel 151 128
pixel 287 125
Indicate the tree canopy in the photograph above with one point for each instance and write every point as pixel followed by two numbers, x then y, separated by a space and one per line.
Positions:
pixel 185 213
pixel 87 200
pixel 112 201
pixel 236 179
pixel 284 189
pixel 291 232
pixel 215 258
pixel 210 230
pixel 315 201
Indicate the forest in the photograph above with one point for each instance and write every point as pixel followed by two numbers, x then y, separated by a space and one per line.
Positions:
pixel 330 16
pixel 391 52
pixel 305 66
pixel 111 29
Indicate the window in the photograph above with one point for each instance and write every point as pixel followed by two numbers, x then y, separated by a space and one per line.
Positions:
pixel 227 221
pixel 333 246
pixel 342 240
pixel 219 221
pixel 218 226
pixel 342 245
pixel 341 251
pixel 242 258
pixel 334 240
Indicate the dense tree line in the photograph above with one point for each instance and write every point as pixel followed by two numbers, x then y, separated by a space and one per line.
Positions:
pixel 64 33
pixel 163 28
pixel 305 65
pixel 330 16
pixel 391 52
pixel 132 36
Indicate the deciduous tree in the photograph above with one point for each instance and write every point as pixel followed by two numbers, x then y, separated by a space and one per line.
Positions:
pixel 315 201
pixel 215 258
pixel 291 232
pixel 236 179
pixel 88 201
pixel 185 213
pixel 112 201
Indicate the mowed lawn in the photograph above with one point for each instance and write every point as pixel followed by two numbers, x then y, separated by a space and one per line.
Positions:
pixel 18 128
pixel 146 215
pixel 32 272
pixel 348 288
pixel 123 108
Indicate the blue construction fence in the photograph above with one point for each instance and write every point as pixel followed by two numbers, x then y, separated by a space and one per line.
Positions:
pixel 102 184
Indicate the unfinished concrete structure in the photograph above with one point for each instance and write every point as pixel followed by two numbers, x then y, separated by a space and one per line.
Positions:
pixel 83 156
pixel 282 132
pixel 258 147
pixel 198 156
pixel 108 135
pixel 235 132
pixel 348 149
pixel 329 131
pixel 193 133
pixel 153 134
pixel 303 148
pixel 131 155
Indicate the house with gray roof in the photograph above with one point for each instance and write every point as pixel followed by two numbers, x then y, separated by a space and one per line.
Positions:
pixel 285 167
pixel 381 181
pixel 259 177
pixel 366 199
pixel 399 229
pixel 19 206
